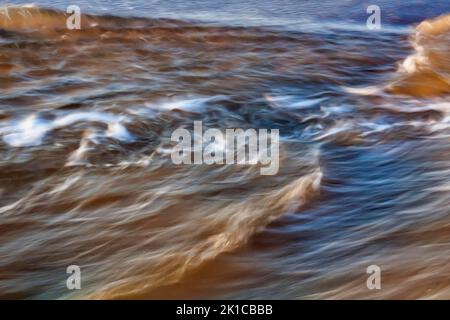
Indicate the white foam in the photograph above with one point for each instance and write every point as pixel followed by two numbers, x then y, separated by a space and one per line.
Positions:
pixel 32 130
pixel 363 91
pixel 28 132
pixel 188 103
pixel 85 117
pixel 117 131
pixel 418 58
pixel 142 162
pixel 341 126
pixel 79 156
pixel 292 102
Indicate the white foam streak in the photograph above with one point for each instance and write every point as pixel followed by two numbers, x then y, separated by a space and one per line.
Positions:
pixel 189 103
pixel 363 91
pixel 28 132
pixel 32 130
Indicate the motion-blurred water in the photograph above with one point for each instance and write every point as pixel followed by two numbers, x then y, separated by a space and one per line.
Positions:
pixel 87 179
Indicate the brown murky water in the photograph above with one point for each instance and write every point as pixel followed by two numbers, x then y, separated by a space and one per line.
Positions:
pixel 87 179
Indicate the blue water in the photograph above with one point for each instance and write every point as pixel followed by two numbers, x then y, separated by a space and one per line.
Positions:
pixel 294 13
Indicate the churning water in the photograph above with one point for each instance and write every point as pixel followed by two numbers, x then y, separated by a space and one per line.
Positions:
pixel 87 179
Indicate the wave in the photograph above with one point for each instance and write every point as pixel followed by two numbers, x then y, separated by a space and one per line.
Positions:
pixel 426 72
pixel 45 20
pixel 234 225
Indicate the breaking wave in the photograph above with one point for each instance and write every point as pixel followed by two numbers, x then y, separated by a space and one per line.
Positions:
pixel 426 73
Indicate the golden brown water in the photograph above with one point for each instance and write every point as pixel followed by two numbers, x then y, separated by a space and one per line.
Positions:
pixel 87 179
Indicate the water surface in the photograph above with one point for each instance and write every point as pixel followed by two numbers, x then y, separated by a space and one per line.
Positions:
pixel 87 178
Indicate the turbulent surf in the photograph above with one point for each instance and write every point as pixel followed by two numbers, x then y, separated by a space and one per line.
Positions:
pixel 87 179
